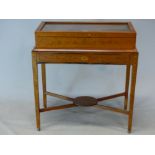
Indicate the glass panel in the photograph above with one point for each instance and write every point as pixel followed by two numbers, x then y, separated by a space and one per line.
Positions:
pixel 86 27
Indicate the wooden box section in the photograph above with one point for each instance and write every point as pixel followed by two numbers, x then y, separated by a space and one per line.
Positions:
pixel 85 35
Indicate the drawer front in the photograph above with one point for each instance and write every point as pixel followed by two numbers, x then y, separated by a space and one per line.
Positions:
pixel 49 57
pixel 48 42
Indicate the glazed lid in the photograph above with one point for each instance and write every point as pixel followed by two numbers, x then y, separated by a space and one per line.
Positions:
pixel 86 29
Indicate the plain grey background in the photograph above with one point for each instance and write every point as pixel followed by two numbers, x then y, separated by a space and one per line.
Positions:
pixel 17 115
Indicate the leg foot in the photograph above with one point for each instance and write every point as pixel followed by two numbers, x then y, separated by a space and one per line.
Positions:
pixel 129 131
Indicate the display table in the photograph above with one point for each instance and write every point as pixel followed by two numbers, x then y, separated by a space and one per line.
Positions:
pixel 85 43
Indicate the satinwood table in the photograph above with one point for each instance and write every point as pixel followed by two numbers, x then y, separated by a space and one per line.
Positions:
pixel 106 43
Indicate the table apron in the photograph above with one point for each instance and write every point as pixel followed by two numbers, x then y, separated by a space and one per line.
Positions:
pixel 86 58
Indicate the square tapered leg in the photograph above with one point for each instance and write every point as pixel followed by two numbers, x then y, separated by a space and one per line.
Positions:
pixel 127 86
pixel 36 88
pixel 43 68
pixel 132 90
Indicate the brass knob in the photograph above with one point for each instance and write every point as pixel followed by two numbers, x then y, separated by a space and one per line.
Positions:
pixel 84 58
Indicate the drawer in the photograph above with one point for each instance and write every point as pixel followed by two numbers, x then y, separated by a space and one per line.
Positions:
pixel 84 58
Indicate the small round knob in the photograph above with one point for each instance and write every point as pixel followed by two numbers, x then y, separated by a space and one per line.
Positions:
pixel 84 58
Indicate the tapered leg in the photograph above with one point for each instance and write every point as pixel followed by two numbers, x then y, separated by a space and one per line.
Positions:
pixel 127 86
pixel 36 89
pixel 43 67
pixel 132 91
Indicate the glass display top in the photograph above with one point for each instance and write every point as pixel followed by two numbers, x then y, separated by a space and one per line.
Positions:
pixel 54 27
